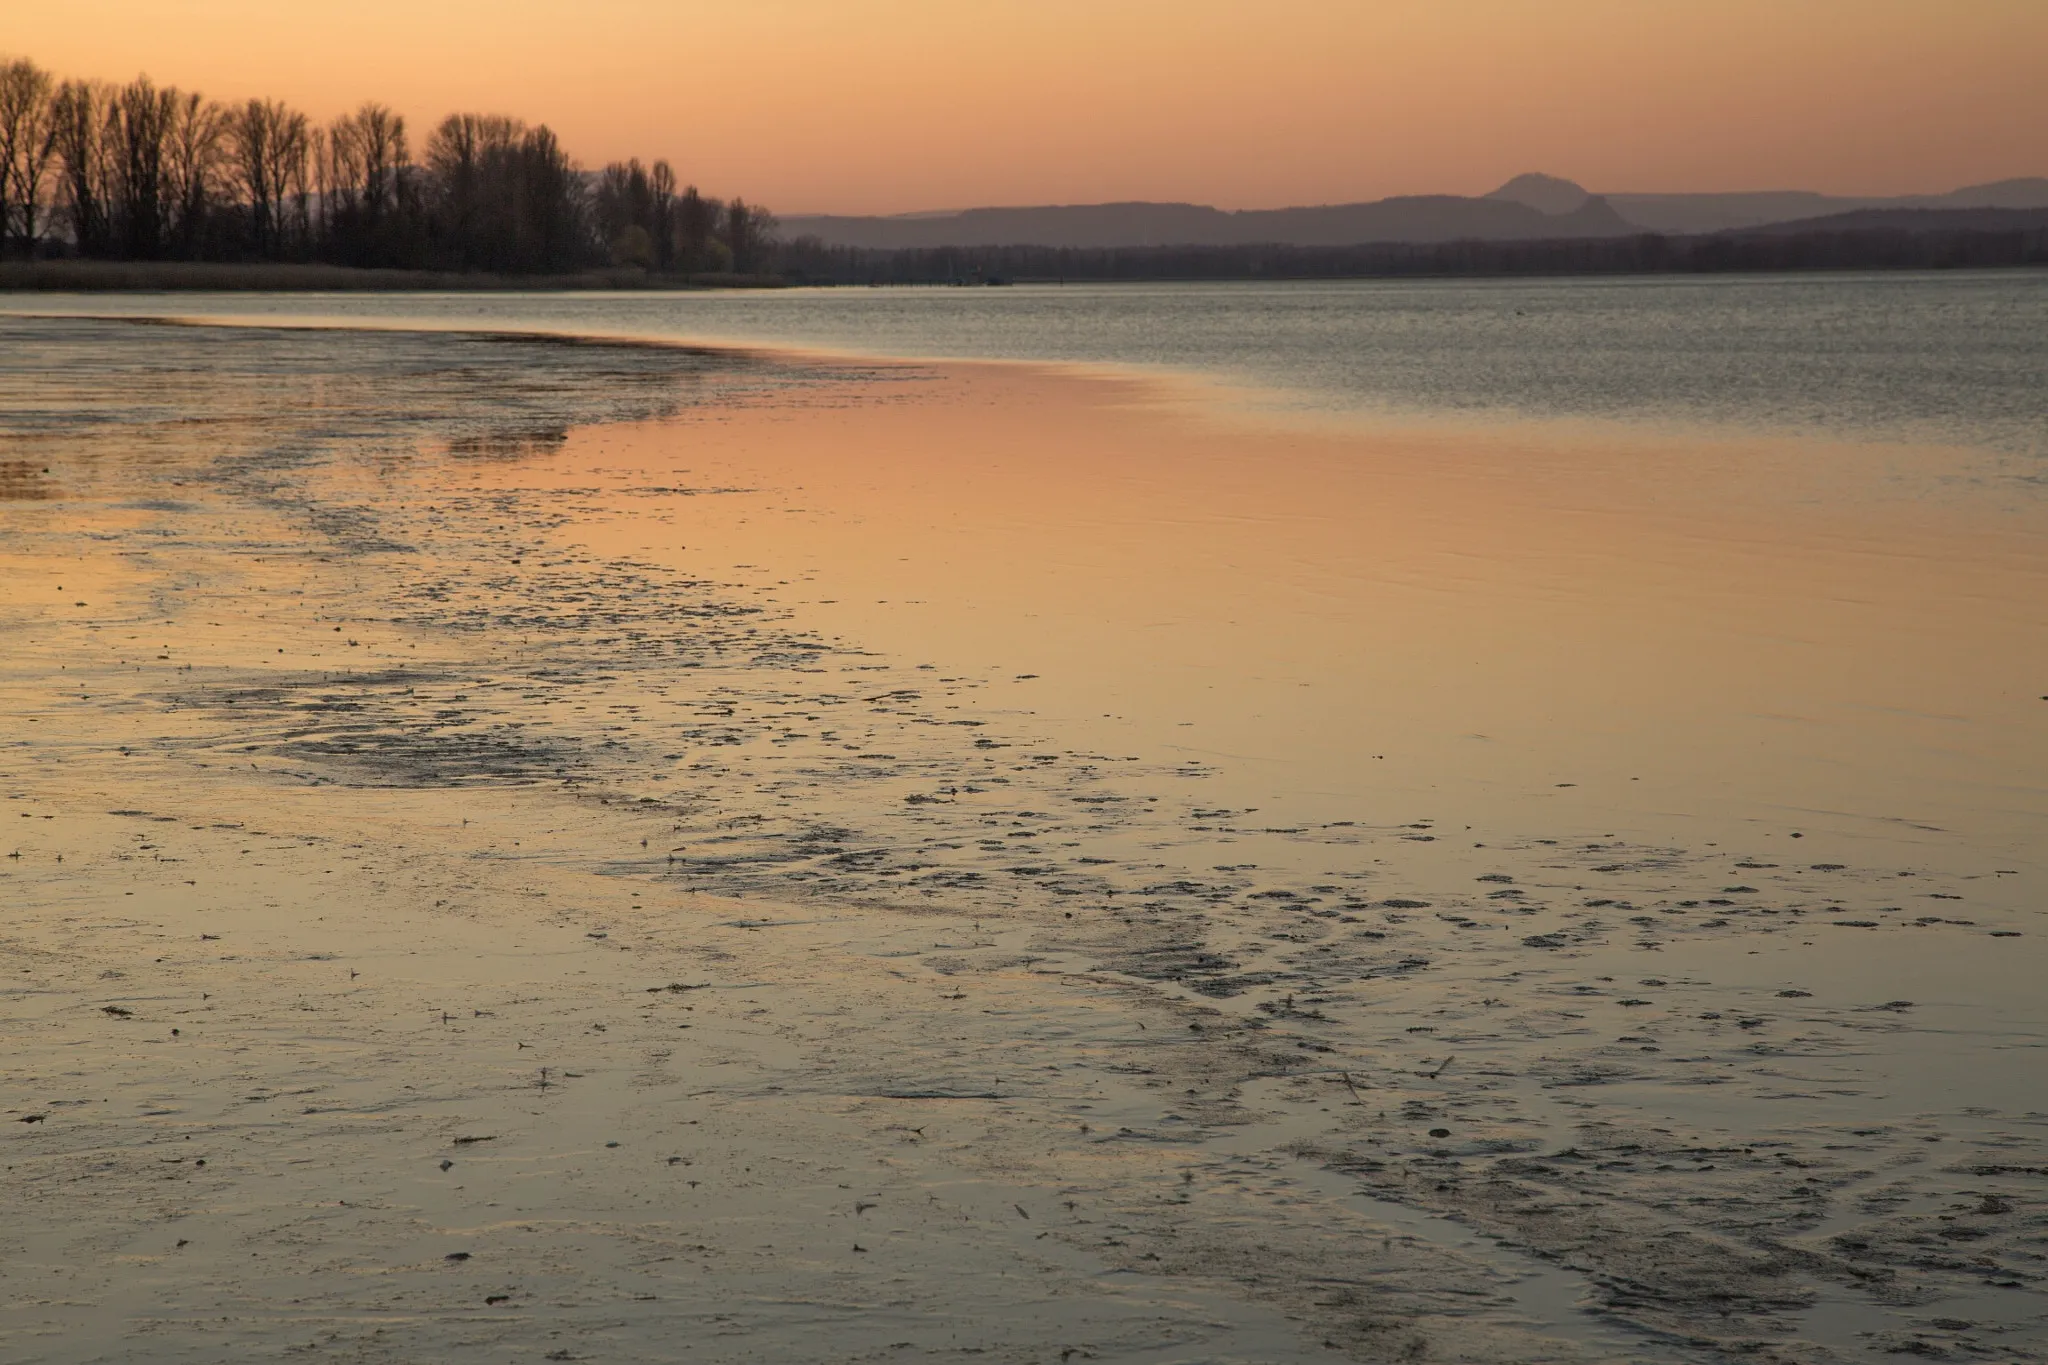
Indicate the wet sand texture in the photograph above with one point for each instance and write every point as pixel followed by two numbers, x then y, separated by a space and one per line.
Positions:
pixel 433 934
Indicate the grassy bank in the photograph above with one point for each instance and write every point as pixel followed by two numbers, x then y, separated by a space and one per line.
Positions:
pixel 73 276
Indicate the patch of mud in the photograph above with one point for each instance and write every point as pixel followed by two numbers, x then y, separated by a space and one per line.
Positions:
pixel 25 481
pixel 1645 1067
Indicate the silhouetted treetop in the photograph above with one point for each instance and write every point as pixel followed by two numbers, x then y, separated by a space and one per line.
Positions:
pixel 143 172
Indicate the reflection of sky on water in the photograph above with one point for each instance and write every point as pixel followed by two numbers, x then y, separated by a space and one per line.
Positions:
pixel 721 670
pixel 1956 360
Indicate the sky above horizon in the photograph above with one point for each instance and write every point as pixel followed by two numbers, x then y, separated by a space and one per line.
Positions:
pixel 886 106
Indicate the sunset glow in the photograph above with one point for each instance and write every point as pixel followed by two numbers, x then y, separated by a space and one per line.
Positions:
pixel 898 105
pixel 1284 681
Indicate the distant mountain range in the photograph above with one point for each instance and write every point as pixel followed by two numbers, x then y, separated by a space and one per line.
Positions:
pixel 1694 213
pixel 1527 208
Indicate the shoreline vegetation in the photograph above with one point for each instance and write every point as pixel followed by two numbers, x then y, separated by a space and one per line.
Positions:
pixel 145 188
pixel 109 277
pixel 1937 241
pixel 141 173
pixel 810 264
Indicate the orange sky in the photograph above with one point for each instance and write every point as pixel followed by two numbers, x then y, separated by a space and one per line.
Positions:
pixel 892 105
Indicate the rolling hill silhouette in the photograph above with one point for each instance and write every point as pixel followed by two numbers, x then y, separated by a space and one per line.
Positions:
pixel 1531 207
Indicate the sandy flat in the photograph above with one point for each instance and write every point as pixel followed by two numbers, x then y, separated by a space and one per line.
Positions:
pixel 485 892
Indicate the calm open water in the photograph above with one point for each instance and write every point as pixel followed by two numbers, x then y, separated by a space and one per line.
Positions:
pixel 1578 602
pixel 1956 360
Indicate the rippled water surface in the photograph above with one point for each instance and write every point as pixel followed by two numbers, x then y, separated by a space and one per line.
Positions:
pixel 1959 359
pixel 1545 852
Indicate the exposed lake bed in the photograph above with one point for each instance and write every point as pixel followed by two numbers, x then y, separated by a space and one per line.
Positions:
pixel 483 750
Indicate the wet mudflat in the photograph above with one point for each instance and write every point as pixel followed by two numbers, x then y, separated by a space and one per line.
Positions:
pixel 442 925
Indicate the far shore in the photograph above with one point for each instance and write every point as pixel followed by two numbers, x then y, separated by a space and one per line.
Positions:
pixel 67 276
pixel 806 263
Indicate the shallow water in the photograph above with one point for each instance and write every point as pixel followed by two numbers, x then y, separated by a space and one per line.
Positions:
pixel 1435 777
pixel 1954 359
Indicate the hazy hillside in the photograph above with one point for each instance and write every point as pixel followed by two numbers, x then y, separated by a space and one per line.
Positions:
pixel 1528 208
pixel 1681 213
pixel 1544 193
pixel 1920 220
pixel 1421 218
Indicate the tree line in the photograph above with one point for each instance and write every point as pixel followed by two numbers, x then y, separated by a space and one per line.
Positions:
pixel 809 260
pixel 141 172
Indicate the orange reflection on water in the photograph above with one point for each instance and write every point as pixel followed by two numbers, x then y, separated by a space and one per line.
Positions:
pixel 1395 623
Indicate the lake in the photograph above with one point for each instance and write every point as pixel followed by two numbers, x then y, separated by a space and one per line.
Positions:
pixel 1527 744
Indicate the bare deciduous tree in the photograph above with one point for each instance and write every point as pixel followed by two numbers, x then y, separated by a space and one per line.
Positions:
pixel 79 115
pixel 271 145
pixel 144 171
pixel 634 209
pixel 139 121
pixel 748 231
pixel 471 159
pixel 661 215
pixel 696 232
pixel 364 170
pixel 554 217
pixel 27 144
pixel 193 163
